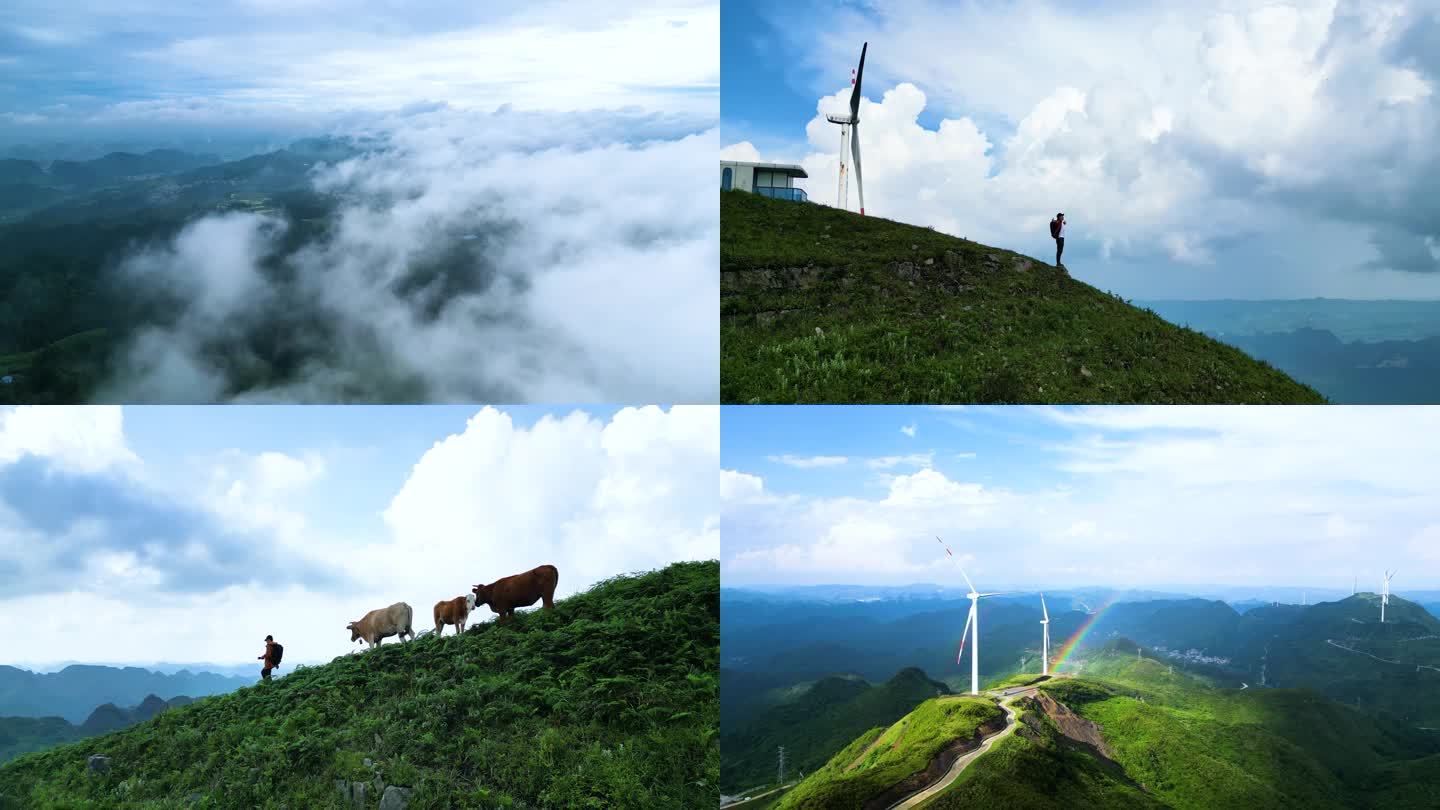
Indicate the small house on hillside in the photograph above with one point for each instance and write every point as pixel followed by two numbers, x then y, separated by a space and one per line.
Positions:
pixel 769 179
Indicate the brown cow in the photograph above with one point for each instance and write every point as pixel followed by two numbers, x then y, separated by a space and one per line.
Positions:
pixel 380 624
pixel 454 611
pixel 519 590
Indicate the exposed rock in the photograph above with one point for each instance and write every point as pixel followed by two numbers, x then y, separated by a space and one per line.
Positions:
pixel 1073 725
pixel 929 262
pixel 395 798
pixel 1022 264
pixel 369 763
pixel 98 764
pixel 357 793
pixel 953 260
pixel 1085 372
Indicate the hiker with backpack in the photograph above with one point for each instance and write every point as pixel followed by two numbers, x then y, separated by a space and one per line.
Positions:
pixel 272 655
pixel 1057 232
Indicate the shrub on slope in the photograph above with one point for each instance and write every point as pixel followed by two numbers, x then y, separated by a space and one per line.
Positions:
pixel 611 700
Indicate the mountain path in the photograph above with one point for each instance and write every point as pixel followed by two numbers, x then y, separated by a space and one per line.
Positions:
pixel 1418 667
pixel 963 762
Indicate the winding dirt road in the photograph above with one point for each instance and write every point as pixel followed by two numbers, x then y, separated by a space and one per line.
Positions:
pixel 919 797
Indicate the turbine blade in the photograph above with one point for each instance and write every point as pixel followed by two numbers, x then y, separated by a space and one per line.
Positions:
pixel 1042 607
pixel 855 151
pixel 855 93
pixel 968 617
pixel 957 561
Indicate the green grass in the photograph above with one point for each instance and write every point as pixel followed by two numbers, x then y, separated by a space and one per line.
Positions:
pixel 821 305
pixel 1194 746
pixel 905 748
pixel 1176 740
pixel 611 700
pixel 1052 773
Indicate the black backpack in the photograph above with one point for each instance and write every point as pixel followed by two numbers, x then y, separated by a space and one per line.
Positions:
pixel 1054 229
pixel 279 651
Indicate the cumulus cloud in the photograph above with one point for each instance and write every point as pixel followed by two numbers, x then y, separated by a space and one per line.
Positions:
pixel 75 439
pixel 1291 136
pixel 508 257
pixel 595 498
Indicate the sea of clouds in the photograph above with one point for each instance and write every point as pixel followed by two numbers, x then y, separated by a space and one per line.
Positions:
pixel 501 256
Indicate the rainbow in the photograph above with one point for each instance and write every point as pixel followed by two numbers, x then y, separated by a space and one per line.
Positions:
pixel 1071 643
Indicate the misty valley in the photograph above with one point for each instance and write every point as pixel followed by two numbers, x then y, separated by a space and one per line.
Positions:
pixel 86 289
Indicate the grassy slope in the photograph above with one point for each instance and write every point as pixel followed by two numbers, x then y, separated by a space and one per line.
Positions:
pixel 611 700
pixel 1054 775
pixel 814 725
pixel 1192 746
pixel 974 331
pixel 906 747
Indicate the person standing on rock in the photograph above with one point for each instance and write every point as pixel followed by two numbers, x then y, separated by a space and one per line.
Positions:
pixel 1057 232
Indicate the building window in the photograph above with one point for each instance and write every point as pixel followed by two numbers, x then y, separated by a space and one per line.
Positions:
pixel 725 179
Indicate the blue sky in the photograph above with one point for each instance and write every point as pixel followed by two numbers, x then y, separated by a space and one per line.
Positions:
pixel 203 529
pixel 1199 151
pixel 1068 497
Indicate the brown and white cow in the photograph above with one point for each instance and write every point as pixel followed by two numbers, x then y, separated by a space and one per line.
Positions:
pixel 519 590
pixel 383 623
pixel 454 611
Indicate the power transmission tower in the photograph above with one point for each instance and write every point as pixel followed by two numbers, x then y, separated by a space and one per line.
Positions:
pixel 782 765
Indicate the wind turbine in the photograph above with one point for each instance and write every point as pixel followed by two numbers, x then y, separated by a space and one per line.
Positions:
pixel 1045 638
pixel 1385 595
pixel 850 134
pixel 972 621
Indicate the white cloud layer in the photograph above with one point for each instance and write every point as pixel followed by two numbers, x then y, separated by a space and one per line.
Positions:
pixel 1129 496
pixel 576 263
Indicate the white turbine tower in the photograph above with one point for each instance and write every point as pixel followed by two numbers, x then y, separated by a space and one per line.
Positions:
pixel 1044 638
pixel 850 136
pixel 1385 595
pixel 972 622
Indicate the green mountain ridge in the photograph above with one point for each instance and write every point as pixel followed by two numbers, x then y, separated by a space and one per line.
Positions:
pixel 1130 732
pixel 821 305
pixel 609 700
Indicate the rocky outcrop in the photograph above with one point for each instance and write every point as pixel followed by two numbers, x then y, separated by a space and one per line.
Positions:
pixel 98 765
pixel 395 798
pixel 1073 725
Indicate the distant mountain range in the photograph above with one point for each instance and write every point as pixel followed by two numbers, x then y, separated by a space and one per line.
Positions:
pixel 1337 647
pixel 1353 352
pixel 75 691
pixel 21 735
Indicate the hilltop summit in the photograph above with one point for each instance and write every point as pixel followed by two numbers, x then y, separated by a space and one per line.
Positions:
pixel 822 305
